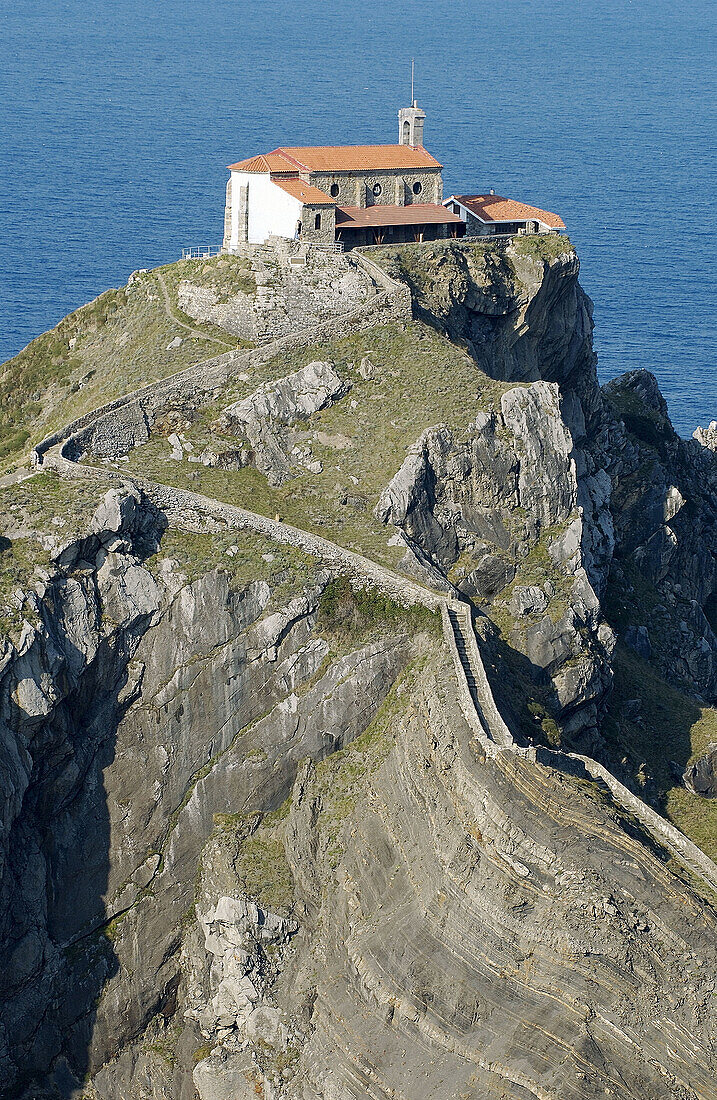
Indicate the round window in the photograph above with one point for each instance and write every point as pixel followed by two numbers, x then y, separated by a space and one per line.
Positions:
pixel 417 187
pixel 334 190
pixel 377 189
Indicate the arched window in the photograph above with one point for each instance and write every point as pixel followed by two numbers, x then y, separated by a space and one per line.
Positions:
pixel 377 189
pixel 317 221
pixel 406 131
pixel 417 187
pixel 334 190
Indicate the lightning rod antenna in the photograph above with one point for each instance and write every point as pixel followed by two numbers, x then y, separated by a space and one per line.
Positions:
pixel 413 102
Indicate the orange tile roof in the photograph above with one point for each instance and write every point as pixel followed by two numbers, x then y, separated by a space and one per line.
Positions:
pixel 494 208
pixel 265 162
pixel 423 213
pixel 355 158
pixel 304 191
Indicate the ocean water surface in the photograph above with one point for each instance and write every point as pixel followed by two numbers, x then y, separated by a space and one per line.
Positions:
pixel 117 121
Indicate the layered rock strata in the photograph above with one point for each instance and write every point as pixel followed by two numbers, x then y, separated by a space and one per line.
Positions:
pixel 142 704
pixel 239 861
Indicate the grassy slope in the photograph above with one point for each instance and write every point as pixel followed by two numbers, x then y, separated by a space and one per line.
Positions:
pixel 120 342
pixel 672 726
pixel 421 379
pixel 109 347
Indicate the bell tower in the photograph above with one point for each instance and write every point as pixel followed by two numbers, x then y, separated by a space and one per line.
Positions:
pixel 410 125
pixel 410 121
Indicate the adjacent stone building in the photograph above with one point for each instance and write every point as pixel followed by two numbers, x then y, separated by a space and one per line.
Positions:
pixel 492 214
pixel 354 194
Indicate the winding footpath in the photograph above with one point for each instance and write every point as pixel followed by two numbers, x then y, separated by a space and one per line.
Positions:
pixel 192 511
pixel 168 309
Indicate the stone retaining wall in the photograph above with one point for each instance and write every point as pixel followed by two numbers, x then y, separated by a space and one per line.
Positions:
pixel 392 304
pixel 188 510
pixel 465 699
pixel 491 717
pixel 584 767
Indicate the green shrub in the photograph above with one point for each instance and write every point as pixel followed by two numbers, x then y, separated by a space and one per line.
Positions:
pixel 348 614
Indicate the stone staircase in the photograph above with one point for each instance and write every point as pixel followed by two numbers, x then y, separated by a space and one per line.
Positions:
pixel 462 648
pixel 185 509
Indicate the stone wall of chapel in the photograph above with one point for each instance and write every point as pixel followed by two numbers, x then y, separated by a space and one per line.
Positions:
pixel 325 232
pixel 397 186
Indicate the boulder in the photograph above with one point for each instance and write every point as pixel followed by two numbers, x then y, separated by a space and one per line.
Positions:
pixel 701 776
pixel 638 638
pixel 264 416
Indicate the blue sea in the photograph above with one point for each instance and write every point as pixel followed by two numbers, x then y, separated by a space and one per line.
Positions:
pixel 117 120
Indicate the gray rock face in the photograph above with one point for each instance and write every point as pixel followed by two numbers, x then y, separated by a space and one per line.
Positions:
pixel 263 416
pixel 707 437
pixel 701 777
pixel 141 706
pixel 638 638
pixel 425 945
pixel 508 494
pixel 665 509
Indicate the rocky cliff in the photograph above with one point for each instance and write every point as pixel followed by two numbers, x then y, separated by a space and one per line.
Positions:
pixel 251 845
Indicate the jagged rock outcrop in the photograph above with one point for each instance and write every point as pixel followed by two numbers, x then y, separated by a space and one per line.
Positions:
pixel 645 498
pixel 140 705
pixel 505 502
pixel 701 776
pixel 523 314
pixel 707 436
pixel 665 509
pixel 264 416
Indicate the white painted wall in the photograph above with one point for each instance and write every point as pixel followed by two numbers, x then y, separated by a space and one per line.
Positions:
pixel 271 210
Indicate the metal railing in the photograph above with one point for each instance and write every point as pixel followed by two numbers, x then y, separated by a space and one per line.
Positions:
pixel 334 246
pixel 199 252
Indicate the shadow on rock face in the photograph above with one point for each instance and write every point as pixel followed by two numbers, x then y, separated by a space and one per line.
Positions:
pixel 59 952
pixel 63 694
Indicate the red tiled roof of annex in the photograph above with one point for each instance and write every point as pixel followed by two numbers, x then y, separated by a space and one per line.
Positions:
pixel 494 208
pixel 304 191
pixel 356 158
pixel 418 213
pixel 264 162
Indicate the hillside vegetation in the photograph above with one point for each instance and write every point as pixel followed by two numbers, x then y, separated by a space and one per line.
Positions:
pixel 416 379
pixel 111 346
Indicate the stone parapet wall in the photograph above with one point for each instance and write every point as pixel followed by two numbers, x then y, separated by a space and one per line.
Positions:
pixel 121 416
pixel 192 511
